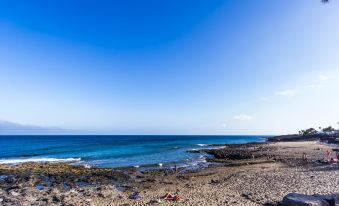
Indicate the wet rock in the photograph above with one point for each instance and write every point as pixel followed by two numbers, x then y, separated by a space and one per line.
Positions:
pixel 213 181
pixel 55 199
pixel 6 179
pixel 295 199
pixel 45 200
pixel 230 154
pixel 195 151
pixel 3 178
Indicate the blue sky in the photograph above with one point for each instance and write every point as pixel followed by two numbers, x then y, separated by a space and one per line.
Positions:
pixel 170 67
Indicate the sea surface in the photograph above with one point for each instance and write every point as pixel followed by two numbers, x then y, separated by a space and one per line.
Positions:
pixel 113 150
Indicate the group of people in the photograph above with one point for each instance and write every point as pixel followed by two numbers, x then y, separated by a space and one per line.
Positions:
pixel 327 157
pixel 174 196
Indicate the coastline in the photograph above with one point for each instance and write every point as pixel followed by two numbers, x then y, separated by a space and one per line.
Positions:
pixel 244 174
pixel 111 151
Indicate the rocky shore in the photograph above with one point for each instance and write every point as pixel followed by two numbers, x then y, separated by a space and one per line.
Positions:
pixel 246 174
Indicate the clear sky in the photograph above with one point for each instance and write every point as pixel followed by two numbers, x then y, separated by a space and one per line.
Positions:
pixel 170 67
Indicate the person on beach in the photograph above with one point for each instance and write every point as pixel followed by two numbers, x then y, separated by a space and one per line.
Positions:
pixel 177 196
pixel 338 156
pixel 328 155
pixel 305 157
pixel 332 160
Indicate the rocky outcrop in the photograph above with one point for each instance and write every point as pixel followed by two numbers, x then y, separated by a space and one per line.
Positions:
pixel 58 175
pixel 293 137
pixel 295 199
pixel 230 154
pixel 331 139
pixel 239 151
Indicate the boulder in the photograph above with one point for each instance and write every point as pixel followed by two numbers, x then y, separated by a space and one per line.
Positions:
pixel 295 199
pixel 333 200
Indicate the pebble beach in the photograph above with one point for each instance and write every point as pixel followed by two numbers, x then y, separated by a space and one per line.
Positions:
pixel 274 170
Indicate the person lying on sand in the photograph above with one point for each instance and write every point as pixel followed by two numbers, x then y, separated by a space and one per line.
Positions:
pixel 174 197
pixel 169 196
pixel 178 198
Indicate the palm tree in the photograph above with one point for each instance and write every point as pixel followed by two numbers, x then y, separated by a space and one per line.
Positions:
pixel 308 132
pixel 328 130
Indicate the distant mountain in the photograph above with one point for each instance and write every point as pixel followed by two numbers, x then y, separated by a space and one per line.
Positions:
pixel 11 128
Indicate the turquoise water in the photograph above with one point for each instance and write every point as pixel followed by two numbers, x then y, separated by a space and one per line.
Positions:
pixel 112 150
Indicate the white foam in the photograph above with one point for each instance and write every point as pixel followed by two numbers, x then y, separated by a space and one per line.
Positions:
pixel 55 160
pixel 201 145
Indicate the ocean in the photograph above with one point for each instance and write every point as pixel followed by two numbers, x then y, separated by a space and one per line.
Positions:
pixel 110 151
